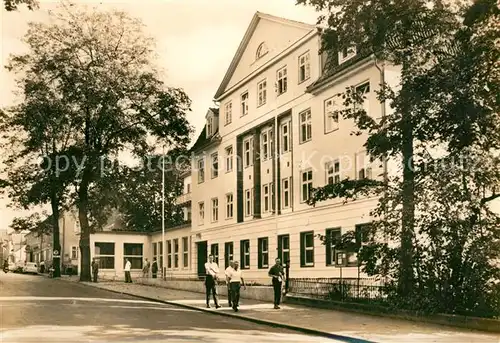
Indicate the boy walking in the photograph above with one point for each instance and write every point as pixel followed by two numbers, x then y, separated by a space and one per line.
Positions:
pixel 276 272
pixel 236 281
pixel 154 268
pixel 95 270
pixel 228 284
pixel 211 271
pixel 128 267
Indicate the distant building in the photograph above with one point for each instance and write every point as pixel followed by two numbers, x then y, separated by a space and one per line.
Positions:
pixel 17 248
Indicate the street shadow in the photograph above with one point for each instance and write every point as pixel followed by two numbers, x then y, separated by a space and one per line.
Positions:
pixel 124 333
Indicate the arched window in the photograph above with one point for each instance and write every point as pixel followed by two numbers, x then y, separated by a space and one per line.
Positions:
pixel 261 50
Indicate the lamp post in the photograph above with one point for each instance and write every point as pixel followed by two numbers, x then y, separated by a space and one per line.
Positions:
pixel 163 213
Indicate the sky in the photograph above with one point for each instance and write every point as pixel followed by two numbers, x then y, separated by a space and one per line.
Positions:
pixel 196 41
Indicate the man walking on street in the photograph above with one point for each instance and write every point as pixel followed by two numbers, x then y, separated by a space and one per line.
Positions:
pixel 128 267
pixel 211 271
pixel 145 269
pixel 95 270
pixel 276 272
pixel 236 281
pixel 228 271
pixel 154 268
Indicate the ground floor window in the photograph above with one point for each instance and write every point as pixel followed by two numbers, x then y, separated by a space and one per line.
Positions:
pixel 307 249
pixel 176 253
pixel 214 251
pixel 332 235
pixel 245 254
pixel 160 255
pixel 74 252
pixel 169 254
pixel 284 248
pixel 263 261
pixel 228 253
pixel 185 252
pixel 134 252
pixel 104 253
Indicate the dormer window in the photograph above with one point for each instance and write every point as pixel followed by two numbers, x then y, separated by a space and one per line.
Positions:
pixel 210 126
pixel 347 53
pixel 261 50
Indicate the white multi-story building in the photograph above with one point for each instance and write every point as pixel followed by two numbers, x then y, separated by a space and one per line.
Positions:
pixel 245 198
pixel 250 189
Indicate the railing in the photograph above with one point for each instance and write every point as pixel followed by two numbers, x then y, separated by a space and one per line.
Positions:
pixel 336 289
pixel 183 198
pixel 184 224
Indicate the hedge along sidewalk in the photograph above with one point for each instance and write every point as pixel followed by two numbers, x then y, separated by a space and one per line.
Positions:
pixel 343 326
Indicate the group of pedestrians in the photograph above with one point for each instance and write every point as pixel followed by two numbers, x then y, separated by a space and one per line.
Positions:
pixel 127 269
pixel 235 281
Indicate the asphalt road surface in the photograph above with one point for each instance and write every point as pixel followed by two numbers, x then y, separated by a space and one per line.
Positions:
pixel 38 309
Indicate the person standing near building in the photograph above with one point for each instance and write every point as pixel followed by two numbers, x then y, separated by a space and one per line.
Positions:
pixel 95 270
pixel 228 271
pixel 128 267
pixel 145 269
pixel 236 281
pixel 276 272
pixel 211 271
pixel 154 268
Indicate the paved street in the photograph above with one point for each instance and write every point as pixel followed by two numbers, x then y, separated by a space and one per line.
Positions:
pixel 346 324
pixel 38 309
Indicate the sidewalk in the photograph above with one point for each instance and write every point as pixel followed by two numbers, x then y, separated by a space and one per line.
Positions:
pixel 335 323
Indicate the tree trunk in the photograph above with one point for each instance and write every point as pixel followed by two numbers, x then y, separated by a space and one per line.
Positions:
pixel 406 274
pixel 85 274
pixel 56 244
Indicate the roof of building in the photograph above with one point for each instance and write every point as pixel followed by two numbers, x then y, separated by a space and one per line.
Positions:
pixel 246 39
pixel 214 110
pixel 202 140
pixel 336 68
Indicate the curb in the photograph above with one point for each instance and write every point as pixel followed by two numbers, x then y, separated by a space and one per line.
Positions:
pixel 483 325
pixel 313 332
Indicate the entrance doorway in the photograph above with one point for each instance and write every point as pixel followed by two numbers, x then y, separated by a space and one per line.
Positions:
pixel 202 250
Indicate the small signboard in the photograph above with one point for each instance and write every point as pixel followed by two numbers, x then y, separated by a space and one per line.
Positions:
pixel 55 253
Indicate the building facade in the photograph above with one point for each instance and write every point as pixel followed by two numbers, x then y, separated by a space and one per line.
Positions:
pixel 273 138
pixel 16 246
pixel 39 247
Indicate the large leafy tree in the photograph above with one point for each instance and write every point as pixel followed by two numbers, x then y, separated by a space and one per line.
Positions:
pixel 140 200
pixel 446 102
pixel 36 132
pixel 12 5
pixel 102 64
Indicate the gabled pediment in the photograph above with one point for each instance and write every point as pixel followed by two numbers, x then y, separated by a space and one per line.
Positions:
pixel 266 37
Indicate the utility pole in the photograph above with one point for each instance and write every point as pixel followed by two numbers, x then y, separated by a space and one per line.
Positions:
pixel 164 268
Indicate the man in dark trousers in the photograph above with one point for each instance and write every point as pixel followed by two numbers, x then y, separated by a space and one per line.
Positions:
pixel 154 268
pixel 228 271
pixel 235 282
pixel 211 271
pixel 276 272
pixel 95 270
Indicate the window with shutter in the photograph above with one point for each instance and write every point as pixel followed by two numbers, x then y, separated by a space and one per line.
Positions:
pixel 307 249
pixel 284 248
pixel 263 253
pixel 245 254
pixel 331 236
pixel 228 253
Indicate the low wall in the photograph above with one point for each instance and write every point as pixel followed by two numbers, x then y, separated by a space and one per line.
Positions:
pixel 261 293
pixel 474 323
